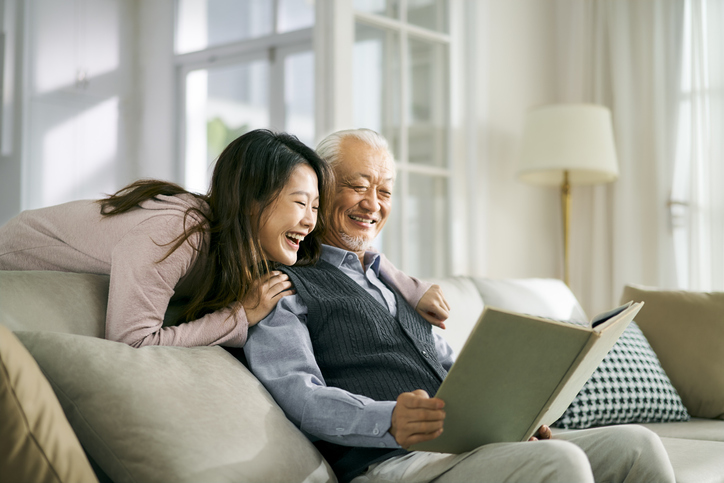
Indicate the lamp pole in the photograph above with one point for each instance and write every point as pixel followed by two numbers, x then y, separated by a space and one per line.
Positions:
pixel 566 206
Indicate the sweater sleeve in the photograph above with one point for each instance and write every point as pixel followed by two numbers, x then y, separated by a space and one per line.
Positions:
pixel 141 288
pixel 409 287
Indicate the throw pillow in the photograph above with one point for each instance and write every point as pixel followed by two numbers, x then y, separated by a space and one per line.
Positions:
pixel 36 443
pixel 172 413
pixel 629 386
pixel 686 329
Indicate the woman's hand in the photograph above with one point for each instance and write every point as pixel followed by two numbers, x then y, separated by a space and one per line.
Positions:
pixel 265 295
pixel 433 307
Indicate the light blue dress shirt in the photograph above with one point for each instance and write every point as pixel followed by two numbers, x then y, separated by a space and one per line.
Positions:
pixel 280 354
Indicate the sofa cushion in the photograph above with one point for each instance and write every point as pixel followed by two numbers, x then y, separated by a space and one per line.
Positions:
pixel 74 303
pixel 686 329
pixel 465 309
pixel 172 413
pixel 695 428
pixel 695 461
pixel 629 386
pixel 36 443
pixel 543 297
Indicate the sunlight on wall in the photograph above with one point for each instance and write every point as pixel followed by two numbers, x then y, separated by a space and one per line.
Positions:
pixel 78 156
pixel 71 48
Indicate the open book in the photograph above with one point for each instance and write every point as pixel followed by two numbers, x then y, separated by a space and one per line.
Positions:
pixel 516 372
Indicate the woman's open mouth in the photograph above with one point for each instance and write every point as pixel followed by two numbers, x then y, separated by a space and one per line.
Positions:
pixel 294 239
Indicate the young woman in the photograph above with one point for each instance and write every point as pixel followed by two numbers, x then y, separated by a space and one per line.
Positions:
pixel 160 243
pixel 213 253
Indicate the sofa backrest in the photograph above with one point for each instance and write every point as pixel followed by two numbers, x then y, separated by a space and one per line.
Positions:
pixel 73 303
pixel 543 297
pixel 465 309
pixel 467 296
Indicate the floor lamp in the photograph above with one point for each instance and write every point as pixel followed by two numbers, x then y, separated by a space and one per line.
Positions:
pixel 564 145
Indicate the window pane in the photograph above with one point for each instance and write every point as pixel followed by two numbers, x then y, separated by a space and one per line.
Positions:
pixel 376 89
pixel 206 23
pixel 430 14
pixel 427 213
pixel 299 96
pixel 295 15
pixel 428 103
pixel 222 104
pixel 389 240
pixel 388 8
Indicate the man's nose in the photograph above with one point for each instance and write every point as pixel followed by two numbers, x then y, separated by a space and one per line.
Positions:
pixel 370 201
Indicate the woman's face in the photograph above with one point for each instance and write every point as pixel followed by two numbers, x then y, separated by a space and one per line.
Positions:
pixel 291 217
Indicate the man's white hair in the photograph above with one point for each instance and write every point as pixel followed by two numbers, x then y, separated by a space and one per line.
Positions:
pixel 328 148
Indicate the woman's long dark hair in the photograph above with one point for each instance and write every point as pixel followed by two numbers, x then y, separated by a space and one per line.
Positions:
pixel 250 173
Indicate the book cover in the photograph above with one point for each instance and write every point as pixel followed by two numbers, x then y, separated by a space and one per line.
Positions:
pixel 516 372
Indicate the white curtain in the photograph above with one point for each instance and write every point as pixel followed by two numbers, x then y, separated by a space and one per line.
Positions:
pixel 658 218
pixel 697 194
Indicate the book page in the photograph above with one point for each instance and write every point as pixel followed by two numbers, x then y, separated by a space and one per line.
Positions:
pixel 503 377
pixel 601 319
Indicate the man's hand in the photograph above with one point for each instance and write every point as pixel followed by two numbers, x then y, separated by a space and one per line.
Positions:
pixel 544 432
pixel 265 295
pixel 433 307
pixel 417 418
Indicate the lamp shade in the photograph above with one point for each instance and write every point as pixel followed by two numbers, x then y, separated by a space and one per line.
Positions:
pixel 577 138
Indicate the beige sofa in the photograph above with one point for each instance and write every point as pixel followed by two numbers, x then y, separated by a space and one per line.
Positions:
pixel 175 414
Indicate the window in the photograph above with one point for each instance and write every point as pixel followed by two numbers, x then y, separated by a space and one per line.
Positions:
pixel 383 65
pixel 243 65
pixel 697 200
pixel 401 89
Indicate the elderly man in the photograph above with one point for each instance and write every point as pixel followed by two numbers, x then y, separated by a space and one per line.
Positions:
pixel 352 364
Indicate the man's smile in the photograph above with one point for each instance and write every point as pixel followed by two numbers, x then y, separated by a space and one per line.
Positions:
pixel 360 219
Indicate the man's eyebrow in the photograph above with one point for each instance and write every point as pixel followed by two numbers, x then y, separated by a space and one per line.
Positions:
pixel 353 176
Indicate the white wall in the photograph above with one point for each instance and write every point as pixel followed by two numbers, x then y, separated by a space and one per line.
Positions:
pixel 10 165
pixel 156 78
pixel 522 229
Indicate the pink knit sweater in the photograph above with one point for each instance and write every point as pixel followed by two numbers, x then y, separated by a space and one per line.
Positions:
pixel 75 237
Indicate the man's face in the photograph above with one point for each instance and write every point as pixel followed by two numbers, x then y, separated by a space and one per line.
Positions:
pixel 363 198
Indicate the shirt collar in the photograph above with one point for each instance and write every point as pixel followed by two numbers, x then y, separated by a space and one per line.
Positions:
pixel 335 256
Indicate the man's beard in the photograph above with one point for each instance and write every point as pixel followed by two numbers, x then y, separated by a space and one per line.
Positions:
pixel 355 243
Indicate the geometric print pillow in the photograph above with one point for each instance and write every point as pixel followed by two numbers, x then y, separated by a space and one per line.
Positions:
pixel 629 386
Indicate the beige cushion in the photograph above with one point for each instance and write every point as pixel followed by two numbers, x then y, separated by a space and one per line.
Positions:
pixel 74 303
pixel 36 442
pixel 172 413
pixel 695 461
pixel 686 330
pixel 695 428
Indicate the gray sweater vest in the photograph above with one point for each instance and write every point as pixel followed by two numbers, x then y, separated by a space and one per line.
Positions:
pixel 361 348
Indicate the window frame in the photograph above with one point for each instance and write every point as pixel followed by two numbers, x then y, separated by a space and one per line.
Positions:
pixel 442 264
pixel 275 47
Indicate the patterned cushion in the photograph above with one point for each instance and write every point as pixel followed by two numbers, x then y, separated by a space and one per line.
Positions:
pixel 629 386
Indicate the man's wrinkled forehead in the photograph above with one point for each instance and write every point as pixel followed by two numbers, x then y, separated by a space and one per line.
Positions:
pixel 358 159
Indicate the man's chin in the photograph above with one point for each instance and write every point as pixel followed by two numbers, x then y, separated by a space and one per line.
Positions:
pixel 355 243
